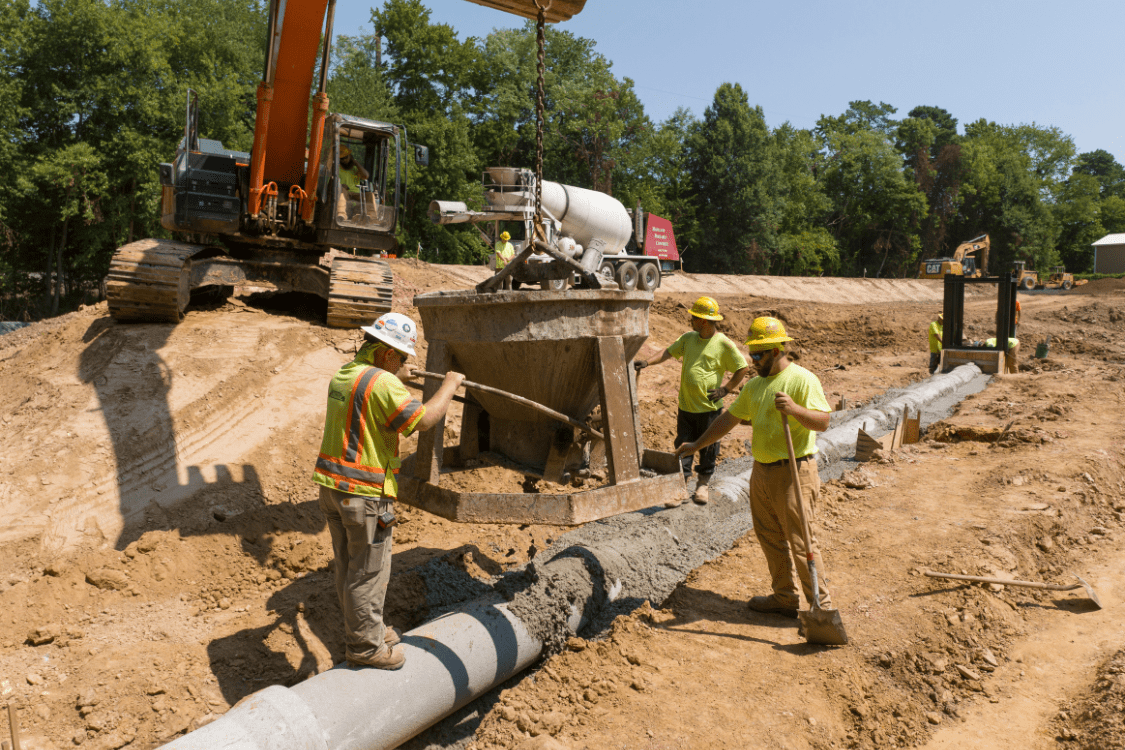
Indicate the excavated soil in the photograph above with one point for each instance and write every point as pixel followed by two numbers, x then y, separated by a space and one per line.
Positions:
pixel 163 555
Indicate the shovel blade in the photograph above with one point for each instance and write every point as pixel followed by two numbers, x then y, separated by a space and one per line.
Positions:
pixel 1090 592
pixel 824 627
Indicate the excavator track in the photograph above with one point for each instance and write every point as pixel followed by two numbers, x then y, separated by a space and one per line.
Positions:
pixel 150 280
pixel 359 291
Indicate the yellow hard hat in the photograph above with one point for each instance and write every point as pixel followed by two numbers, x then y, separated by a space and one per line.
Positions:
pixel 505 236
pixel 345 152
pixel 706 308
pixel 766 333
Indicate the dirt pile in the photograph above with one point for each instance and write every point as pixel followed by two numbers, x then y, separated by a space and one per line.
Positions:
pixel 163 555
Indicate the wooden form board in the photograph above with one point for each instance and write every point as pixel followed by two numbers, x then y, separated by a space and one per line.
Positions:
pixel 907 430
pixel 989 361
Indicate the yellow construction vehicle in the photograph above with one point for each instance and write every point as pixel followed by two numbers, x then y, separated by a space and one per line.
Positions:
pixel 963 262
pixel 1025 279
pixel 1060 279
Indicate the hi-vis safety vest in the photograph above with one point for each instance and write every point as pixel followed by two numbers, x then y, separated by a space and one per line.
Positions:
pixel 368 408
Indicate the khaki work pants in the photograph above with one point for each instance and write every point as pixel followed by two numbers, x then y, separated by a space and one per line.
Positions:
pixel 773 508
pixel 363 566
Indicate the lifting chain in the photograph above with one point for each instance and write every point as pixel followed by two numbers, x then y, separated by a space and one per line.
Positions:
pixel 540 39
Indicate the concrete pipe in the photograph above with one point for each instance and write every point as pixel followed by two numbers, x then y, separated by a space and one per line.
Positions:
pixel 449 662
pixel 592 573
pixel 839 440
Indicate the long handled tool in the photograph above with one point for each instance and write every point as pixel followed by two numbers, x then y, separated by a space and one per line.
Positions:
pixel 1026 584
pixel 822 626
pixel 519 400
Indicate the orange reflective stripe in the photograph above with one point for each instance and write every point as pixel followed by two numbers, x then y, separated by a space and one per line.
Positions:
pixel 331 467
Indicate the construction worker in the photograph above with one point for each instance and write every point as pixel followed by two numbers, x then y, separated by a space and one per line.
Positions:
pixel 368 409
pixel 1011 357
pixel 783 389
pixel 935 342
pixel 504 250
pixel 351 174
pixel 707 355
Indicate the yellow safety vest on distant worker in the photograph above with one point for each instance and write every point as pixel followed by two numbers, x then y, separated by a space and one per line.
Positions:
pixel 1012 342
pixel 368 409
pixel 504 253
pixel 935 337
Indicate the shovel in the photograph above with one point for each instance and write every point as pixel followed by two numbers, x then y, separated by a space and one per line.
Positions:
pixel 1026 584
pixel 822 626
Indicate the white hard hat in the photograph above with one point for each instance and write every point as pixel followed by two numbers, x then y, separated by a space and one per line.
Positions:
pixel 395 330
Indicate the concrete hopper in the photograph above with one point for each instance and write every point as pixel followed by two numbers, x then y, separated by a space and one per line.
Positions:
pixel 567 351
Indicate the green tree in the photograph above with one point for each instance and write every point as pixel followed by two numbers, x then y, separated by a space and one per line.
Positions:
pixel 1015 177
pixel 875 208
pixel 1102 166
pixel 734 173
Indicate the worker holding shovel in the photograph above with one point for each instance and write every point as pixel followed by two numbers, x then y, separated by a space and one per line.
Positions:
pixel 782 388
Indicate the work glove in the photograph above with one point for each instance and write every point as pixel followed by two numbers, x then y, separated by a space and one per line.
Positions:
pixel 716 394
pixel 639 364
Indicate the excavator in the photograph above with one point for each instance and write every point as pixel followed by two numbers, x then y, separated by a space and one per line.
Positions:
pixel 280 215
pixel 963 262
pixel 277 216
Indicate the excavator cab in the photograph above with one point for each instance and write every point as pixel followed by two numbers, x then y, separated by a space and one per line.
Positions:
pixel 362 175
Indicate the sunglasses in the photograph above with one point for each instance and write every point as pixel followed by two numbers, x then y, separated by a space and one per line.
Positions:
pixel 757 356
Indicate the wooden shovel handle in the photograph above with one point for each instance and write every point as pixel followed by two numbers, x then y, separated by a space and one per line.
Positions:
pixel 1005 581
pixel 797 487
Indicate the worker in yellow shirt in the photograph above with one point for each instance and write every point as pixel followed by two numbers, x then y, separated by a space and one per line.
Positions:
pixel 504 250
pixel 707 355
pixel 351 174
pixel 935 342
pixel 782 390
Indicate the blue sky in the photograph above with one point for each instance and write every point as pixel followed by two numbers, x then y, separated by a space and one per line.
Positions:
pixel 1014 61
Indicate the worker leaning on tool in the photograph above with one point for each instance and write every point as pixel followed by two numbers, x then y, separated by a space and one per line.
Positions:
pixel 707 355
pixel 786 387
pixel 504 250
pixel 935 342
pixel 368 409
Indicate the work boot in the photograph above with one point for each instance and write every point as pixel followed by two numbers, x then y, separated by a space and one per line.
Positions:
pixel 392 636
pixel 385 658
pixel 771 606
pixel 702 494
pixel 674 502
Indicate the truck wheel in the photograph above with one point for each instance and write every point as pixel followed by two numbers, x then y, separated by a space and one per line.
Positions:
pixel 649 277
pixel 627 276
pixel 555 285
pixel 1066 285
pixel 1027 283
pixel 606 269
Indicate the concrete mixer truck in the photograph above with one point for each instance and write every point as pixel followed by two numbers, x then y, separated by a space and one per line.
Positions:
pixel 635 246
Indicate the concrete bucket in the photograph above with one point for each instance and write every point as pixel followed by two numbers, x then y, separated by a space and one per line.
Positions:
pixel 568 351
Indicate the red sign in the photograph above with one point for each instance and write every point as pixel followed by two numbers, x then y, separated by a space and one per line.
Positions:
pixel 660 240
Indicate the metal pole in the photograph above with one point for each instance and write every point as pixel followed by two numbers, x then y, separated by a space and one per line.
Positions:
pixel 519 400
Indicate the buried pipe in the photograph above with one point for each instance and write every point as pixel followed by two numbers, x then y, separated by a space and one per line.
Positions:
pixel 839 440
pixel 590 575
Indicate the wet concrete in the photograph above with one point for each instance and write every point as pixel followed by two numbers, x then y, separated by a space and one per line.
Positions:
pixel 610 567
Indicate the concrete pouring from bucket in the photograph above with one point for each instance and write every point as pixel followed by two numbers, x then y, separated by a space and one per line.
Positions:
pixel 585 579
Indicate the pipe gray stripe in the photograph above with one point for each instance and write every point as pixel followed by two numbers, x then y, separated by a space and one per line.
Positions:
pixel 356 432
pixel 406 414
pixel 359 475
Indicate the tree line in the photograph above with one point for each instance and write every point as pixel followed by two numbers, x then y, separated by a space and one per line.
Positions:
pixel 94 98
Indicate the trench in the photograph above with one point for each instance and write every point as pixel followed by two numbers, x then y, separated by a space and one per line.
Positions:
pixel 458 662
